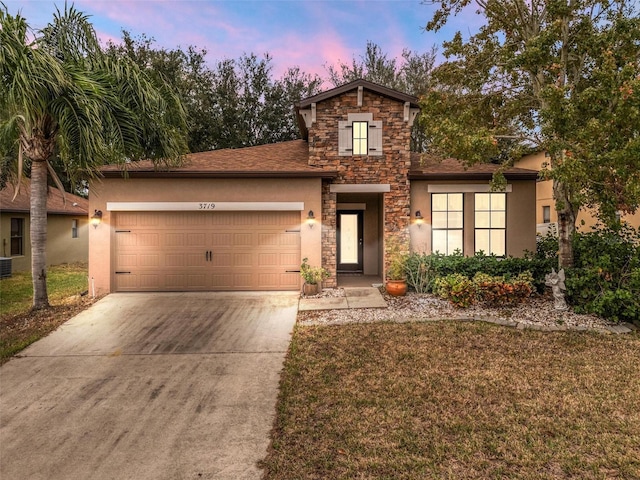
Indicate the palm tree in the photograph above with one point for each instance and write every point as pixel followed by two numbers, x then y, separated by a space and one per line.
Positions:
pixel 60 95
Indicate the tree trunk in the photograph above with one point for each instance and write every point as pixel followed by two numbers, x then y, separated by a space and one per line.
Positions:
pixel 38 231
pixel 566 224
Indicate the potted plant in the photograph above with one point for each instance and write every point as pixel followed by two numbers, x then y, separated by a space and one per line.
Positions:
pixel 396 283
pixel 313 277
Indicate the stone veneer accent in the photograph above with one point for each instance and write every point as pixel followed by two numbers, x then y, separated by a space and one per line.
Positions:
pixel 391 168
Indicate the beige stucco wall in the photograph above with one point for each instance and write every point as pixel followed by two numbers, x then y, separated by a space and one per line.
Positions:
pixel 521 222
pixel 544 197
pixel 101 247
pixel 61 247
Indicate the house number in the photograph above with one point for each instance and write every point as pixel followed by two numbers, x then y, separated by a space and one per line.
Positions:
pixel 207 206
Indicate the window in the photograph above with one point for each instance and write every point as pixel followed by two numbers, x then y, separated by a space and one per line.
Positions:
pixel 546 214
pixel 74 228
pixel 17 236
pixel 360 134
pixel 490 223
pixel 360 130
pixel 446 222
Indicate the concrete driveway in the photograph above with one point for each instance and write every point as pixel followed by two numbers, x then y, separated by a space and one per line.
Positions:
pixel 148 386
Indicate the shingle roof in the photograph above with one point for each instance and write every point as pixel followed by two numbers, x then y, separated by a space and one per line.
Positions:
pixel 74 205
pixel 283 159
pixel 425 167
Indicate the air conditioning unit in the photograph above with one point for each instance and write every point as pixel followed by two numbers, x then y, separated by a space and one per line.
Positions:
pixel 5 267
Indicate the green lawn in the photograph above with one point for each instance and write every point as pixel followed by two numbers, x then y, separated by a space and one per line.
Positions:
pixel 448 400
pixel 19 327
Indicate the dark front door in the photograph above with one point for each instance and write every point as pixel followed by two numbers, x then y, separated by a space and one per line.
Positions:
pixel 350 242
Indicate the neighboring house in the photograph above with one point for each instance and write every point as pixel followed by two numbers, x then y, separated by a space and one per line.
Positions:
pixel 244 219
pixel 67 230
pixel 546 215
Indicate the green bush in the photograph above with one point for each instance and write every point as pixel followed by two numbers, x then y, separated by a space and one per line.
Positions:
pixel 605 279
pixel 423 269
pixel 456 288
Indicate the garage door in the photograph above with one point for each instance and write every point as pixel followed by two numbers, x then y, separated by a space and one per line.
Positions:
pixel 189 251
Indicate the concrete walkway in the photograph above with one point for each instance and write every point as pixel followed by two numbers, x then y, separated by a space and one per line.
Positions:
pixel 354 297
pixel 148 386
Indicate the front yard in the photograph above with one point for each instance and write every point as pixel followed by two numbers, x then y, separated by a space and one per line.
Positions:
pixel 457 400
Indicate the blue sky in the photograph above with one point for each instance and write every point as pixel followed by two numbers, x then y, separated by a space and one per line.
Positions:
pixel 305 33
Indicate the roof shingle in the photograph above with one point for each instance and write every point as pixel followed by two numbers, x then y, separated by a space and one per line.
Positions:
pixel 283 159
pixel 56 205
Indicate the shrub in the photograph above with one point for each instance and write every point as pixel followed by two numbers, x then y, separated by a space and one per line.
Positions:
pixel 421 271
pixel 497 291
pixel 456 288
pixel 605 279
pixel 313 275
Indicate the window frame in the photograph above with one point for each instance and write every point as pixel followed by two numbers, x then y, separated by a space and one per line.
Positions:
pixel 546 214
pixel 448 229
pixel 74 228
pixel 359 127
pixel 491 228
pixel 17 237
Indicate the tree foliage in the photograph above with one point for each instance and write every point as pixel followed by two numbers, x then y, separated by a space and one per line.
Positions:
pixel 236 103
pixel 59 95
pixel 561 76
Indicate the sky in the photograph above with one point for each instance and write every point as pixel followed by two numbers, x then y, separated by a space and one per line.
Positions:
pixel 309 34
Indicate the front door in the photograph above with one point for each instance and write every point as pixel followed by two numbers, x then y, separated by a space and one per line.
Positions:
pixel 350 241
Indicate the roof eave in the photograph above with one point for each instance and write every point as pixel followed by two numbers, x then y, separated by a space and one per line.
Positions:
pixel 228 174
pixel 470 176
pixel 374 87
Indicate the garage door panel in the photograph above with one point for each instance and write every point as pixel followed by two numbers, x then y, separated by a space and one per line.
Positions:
pixel 150 260
pixel 207 251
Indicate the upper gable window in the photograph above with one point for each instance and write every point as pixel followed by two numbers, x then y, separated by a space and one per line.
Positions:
pixel 360 135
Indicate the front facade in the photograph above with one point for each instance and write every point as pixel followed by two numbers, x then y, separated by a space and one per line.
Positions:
pixel 67 227
pixel 244 219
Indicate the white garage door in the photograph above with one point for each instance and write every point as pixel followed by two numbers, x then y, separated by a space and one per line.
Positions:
pixel 188 251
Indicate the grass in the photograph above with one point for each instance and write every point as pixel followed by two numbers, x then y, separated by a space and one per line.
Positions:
pixel 19 326
pixel 448 400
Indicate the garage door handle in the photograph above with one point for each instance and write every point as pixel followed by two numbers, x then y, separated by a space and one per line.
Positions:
pixel 208 255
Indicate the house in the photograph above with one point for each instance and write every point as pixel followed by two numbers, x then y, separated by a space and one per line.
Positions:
pixel 67 227
pixel 546 215
pixel 243 219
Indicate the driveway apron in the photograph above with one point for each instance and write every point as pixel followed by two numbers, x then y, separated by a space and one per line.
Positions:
pixel 148 386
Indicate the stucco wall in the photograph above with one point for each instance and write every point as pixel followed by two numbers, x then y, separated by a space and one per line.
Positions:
pixel 101 247
pixel 520 229
pixel 61 247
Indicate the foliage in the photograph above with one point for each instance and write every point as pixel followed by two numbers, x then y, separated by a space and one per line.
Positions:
pixel 411 74
pixel 463 292
pixel 235 104
pixel 496 291
pixel 422 269
pixel 556 76
pixel 397 255
pixel 456 288
pixel 313 275
pixel 606 277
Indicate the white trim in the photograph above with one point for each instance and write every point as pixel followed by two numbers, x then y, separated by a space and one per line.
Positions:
pixel 351 206
pixel 465 188
pixel 360 188
pixel 202 206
